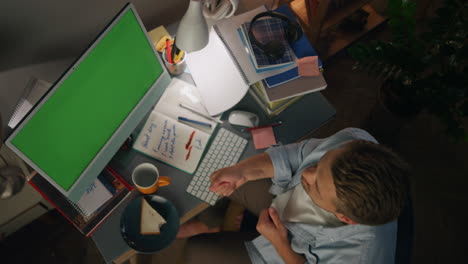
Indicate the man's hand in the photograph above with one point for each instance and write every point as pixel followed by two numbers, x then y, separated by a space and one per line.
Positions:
pixel 272 228
pixel 225 181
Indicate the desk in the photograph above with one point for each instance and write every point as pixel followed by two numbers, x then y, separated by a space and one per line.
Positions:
pixel 107 237
pixel 301 118
pixel 304 116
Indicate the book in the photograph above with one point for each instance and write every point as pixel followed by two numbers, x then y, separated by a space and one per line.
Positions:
pixel 266 30
pixel 301 48
pixel 169 140
pixel 284 77
pixel 222 71
pixel 259 89
pixel 94 197
pixel 87 214
pixel 151 221
pixel 271 108
pixel 296 87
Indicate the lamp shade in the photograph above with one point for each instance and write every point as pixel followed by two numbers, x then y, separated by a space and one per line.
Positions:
pixel 192 34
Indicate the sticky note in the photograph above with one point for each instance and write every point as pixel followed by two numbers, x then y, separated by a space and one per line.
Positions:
pixel 308 66
pixel 263 137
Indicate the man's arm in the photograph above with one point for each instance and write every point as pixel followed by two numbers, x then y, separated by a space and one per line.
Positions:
pixel 225 181
pixel 256 167
pixel 288 255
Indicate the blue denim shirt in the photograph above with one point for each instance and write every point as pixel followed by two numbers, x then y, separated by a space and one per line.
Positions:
pixel 319 244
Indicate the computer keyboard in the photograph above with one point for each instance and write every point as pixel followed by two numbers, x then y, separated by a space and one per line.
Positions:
pixel 224 151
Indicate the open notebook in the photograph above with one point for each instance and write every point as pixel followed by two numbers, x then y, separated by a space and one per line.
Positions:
pixel 176 143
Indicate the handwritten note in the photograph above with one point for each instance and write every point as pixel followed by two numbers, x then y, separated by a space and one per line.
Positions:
pixel 170 141
pixel 95 195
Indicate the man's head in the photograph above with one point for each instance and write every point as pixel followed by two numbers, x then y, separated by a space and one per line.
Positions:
pixel 361 182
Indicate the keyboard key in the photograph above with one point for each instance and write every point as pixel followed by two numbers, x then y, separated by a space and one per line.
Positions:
pixel 225 151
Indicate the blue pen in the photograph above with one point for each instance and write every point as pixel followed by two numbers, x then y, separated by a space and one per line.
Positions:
pixel 180 118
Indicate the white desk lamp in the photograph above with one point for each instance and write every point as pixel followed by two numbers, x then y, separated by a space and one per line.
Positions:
pixel 192 34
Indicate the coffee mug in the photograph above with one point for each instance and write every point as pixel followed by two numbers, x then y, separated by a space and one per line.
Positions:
pixel 147 180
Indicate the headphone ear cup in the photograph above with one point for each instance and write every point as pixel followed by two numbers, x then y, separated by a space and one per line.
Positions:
pixel 293 32
pixel 274 50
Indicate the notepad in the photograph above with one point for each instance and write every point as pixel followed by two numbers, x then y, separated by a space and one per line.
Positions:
pixel 163 137
pixel 94 197
pixel 34 90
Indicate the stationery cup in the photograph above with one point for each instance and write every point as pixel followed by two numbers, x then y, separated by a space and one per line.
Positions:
pixel 147 180
pixel 174 68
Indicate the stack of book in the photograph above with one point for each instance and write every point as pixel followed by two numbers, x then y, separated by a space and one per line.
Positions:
pixel 275 93
pixel 96 204
pixel 271 108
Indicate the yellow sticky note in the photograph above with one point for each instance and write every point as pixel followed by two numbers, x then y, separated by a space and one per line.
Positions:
pixel 308 66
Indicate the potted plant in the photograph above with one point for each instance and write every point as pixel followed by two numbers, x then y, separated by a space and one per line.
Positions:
pixel 423 69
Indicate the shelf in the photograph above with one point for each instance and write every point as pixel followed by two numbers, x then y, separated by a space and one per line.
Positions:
pixel 336 15
pixel 344 38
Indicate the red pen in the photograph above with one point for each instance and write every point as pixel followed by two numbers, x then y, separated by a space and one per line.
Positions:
pixel 264 126
pixel 168 51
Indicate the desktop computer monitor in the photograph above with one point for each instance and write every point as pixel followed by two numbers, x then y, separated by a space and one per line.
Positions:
pixel 76 128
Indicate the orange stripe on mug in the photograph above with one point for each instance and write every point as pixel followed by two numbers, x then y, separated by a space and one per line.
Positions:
pixel 147 180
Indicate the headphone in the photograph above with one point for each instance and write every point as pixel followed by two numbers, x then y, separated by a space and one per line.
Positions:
pixel 218 9
pixel 275 49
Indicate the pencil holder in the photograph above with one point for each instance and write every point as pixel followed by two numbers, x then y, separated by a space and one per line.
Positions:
pixel 174 68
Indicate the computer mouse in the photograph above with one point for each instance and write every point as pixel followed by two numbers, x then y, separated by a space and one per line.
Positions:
pixel 243 118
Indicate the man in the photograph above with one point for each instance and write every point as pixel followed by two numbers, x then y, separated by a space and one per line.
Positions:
pixel 336 201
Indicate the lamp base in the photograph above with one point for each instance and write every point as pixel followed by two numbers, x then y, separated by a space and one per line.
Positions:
pixel 192 34
pixel 12 181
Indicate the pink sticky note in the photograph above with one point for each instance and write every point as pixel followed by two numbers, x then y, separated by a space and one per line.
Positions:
pixel 263 137
pixel 308 66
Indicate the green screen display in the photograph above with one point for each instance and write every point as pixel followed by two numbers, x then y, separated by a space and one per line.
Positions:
pixel 81 115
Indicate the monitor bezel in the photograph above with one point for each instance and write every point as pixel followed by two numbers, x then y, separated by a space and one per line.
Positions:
pixel 120 134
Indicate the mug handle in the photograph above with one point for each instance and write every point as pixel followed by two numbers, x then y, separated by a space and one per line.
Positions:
pixel 163 181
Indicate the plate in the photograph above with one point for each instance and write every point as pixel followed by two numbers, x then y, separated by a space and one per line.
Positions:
pixel 130 225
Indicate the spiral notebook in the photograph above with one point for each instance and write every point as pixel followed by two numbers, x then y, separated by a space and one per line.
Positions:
pixel 222 71
pixel 102 197
pixel 33 91
pixel 169 140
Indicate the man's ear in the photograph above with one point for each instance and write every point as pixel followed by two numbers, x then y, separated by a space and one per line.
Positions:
pixel 343 218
